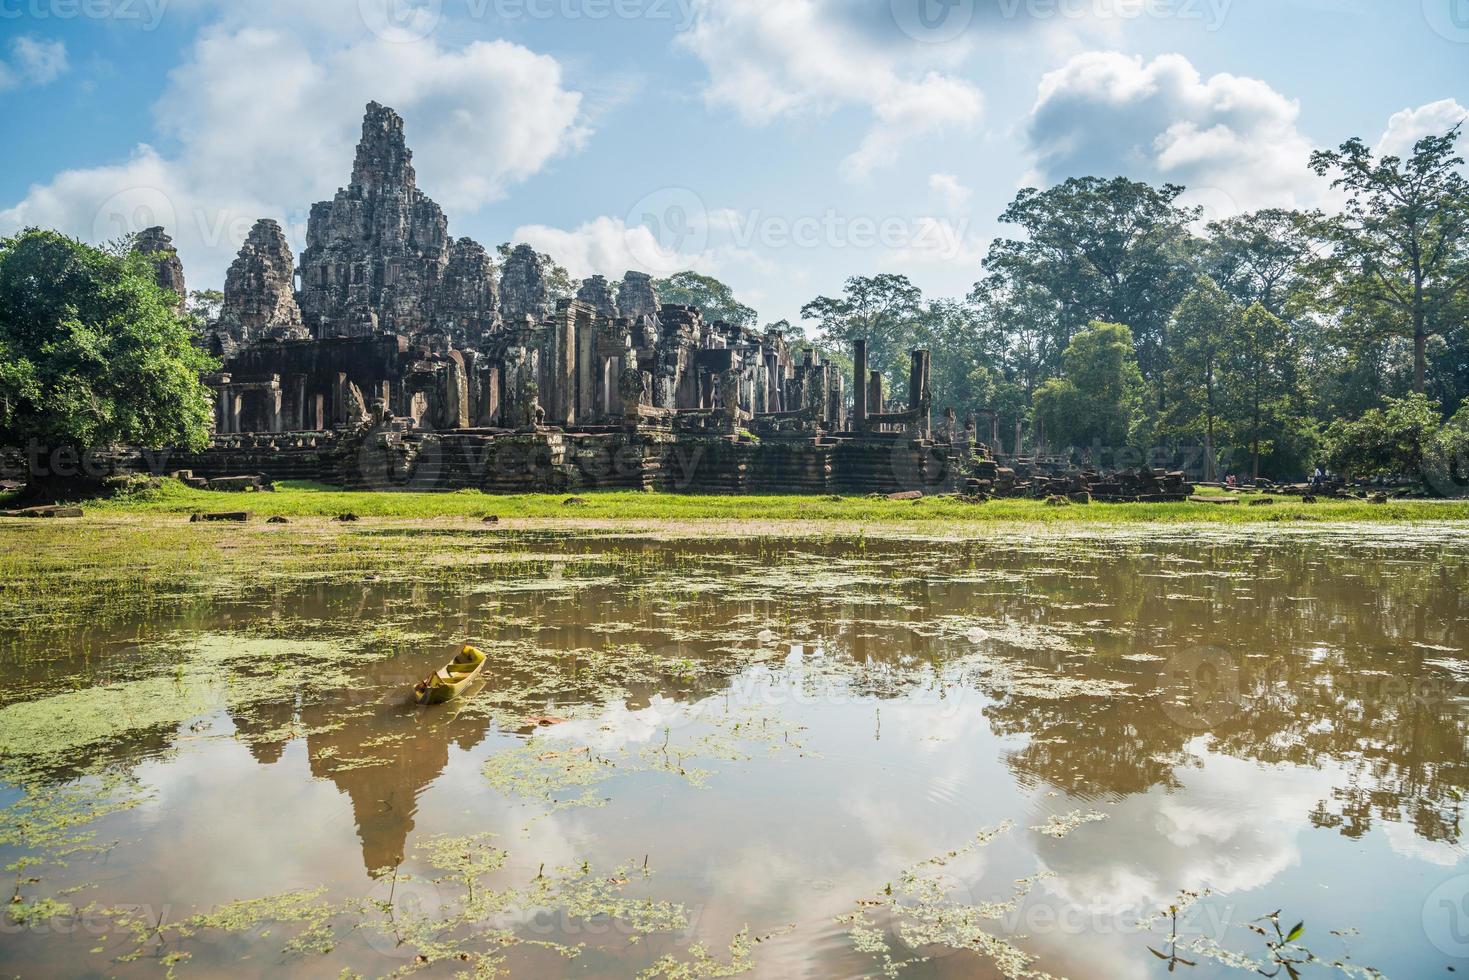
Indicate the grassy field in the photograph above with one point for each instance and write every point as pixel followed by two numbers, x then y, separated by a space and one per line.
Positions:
pixel 730 513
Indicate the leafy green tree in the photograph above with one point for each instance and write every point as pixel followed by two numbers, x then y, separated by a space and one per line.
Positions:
pixel 1026 330
pixel 1111 250
pixel 1388 441
pixel 1262 257
pixel 964 363
pixel 93 352
pixel 882 310
pixel 1256 372
pixel 1098 398
pixel 1202 329
pixel 707 293
pixel 1401 244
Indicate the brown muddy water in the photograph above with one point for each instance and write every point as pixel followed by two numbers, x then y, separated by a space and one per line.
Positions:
pixel 785 758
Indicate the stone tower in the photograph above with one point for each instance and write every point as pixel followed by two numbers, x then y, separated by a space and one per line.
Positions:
pixel 168 271
pixel 523 287
pixel 376 253
pixel 260 289
pixel 598 293
pixel 636 297
pixel 466 304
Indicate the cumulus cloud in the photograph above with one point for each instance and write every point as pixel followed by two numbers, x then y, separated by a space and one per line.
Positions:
pixel 32 61
pixel 949 190
pixel 479 118
pixel 1232 140
pixel 1407 127
pixel 771 59
pixel 609 247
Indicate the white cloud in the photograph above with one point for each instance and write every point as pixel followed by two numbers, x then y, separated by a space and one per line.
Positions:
pixel 1232 140
pixel 771 59
pixel 32 61
pixel 479 118
pixel 1407 127
pixel 609 247
pixel 949 190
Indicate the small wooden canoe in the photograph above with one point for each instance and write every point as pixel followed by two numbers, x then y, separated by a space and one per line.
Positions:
pixel 453 680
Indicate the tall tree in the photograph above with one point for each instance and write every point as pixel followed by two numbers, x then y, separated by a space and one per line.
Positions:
pixel 93 352
pixel 1110 250
pixel 1255 377
pixel 1028 332
pixel 1203 327
pixel 965 369
pixel 1262 256
pixel 1401 244
pixel 707 293
pixel 1098 398
pixel 883 310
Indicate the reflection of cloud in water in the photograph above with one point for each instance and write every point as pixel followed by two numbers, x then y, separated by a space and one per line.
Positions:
pixel 619 727
pixel 1233 828
pixel 1404 840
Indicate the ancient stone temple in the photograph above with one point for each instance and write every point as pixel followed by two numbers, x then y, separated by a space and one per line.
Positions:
pixel 260 292
pixel 406 357
pixel 376 253
pixel 168 269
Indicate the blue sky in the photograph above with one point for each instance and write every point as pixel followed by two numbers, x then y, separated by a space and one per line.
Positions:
pixel 781 145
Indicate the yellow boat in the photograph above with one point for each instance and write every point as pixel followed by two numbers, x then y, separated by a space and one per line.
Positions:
pixel 453 680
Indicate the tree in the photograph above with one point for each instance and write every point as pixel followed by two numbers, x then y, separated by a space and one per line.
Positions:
pixel 1401 244
pixel 707 293
pixel 1026 329
pixel 1099 396
pixel 1261 257
pixel 1203 325
pixel 1255 374
pixel 93 352
pixel 964 362
pixel 881 310
pixel 1110 250
pixel 1388 441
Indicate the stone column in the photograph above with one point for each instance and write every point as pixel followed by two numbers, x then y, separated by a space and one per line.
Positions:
pixel 859 393
pixel 874 392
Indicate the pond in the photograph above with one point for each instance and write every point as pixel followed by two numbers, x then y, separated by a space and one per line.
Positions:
pixel 1088 753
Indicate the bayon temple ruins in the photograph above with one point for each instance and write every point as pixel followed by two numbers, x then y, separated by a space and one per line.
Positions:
pixel 395 356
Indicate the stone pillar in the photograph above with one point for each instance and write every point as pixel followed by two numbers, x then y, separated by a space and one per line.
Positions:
pixel 859 393
pixel 562 397
pixel 275 409
pixel 834 402
pixel 874 392
pixel 918 388
pixel 586 402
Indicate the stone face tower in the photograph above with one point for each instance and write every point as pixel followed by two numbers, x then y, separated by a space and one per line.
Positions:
pixel 376 253
pixel 466 303
pixel 259 289
pixel 523 287
pixel 167 269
